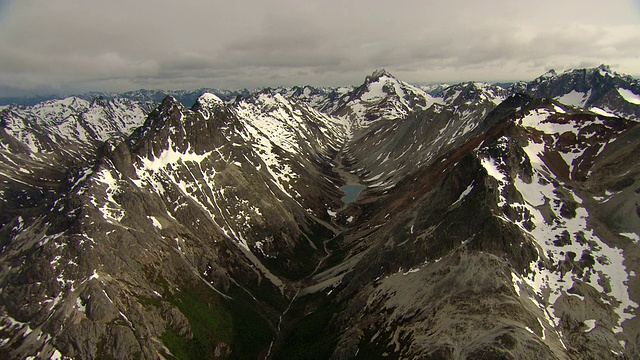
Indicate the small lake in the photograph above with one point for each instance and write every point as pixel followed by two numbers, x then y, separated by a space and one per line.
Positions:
pixel 351 192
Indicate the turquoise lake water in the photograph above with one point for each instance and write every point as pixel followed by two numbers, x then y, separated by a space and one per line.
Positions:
pixel 351 192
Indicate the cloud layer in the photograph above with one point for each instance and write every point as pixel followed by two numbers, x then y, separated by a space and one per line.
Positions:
pixel 67 46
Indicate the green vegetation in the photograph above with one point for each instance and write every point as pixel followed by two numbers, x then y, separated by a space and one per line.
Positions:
pixel 210 323
pixel 312 337
pixel 266 292
pixel 216 321
pixel 181 348
pixel 251 333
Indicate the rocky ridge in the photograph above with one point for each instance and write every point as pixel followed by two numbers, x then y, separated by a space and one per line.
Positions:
pixel 493 225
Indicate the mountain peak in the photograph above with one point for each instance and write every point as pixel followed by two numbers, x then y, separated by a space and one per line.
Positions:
pixel 550 73
pixel 169 102
pixel 578 74
pixel 378 73
pixel 208 100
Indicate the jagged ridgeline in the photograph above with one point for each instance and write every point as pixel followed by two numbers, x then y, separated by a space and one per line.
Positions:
pixel 480 222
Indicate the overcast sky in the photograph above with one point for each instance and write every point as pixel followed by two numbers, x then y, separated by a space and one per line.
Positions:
pixel 71 46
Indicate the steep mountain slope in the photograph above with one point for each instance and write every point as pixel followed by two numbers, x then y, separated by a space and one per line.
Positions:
pixel 492 251
pixel 193 205
pixel 492 226
pixel 43 145
pixel 386 151
pixel 497 246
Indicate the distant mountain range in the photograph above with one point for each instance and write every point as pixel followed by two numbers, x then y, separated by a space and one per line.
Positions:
pixel 187 97
pixel 496 222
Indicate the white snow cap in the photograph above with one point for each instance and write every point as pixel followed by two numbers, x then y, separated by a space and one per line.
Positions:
pixel 209 99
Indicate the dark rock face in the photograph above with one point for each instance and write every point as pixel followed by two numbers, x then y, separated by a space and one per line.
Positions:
pixel 493 225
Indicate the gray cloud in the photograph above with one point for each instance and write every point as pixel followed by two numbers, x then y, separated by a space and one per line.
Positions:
pixel 75 45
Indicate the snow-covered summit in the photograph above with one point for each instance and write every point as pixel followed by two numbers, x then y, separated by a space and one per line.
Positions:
pixel 208 100
pixel 382 97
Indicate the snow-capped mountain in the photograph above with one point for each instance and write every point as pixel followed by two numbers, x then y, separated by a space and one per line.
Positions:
pixel 321 99
pixel 434 89
pixel 599 90
pixel 186 97
pixel 72 119
pixel 243 163
pixel 518 198
pixel 493 223
pixel 387 151
pixel 381 97
pixel 470 93
pixel 248 182
pixel 42 146
pixel 148 98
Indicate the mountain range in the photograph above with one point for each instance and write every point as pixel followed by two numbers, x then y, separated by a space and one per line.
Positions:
pixel 488 222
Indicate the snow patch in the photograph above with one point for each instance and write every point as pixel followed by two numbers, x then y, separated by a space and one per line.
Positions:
pixel 155 222
pixel 548 229
pixel 629 96
pixel 94 275
pixel 80 306
pixel 602 112
pixel 591 324
pixel 538 120
pixel 574 98
pixel 633 236
pixel 170 156
pixel 463 195
pixel 492 169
